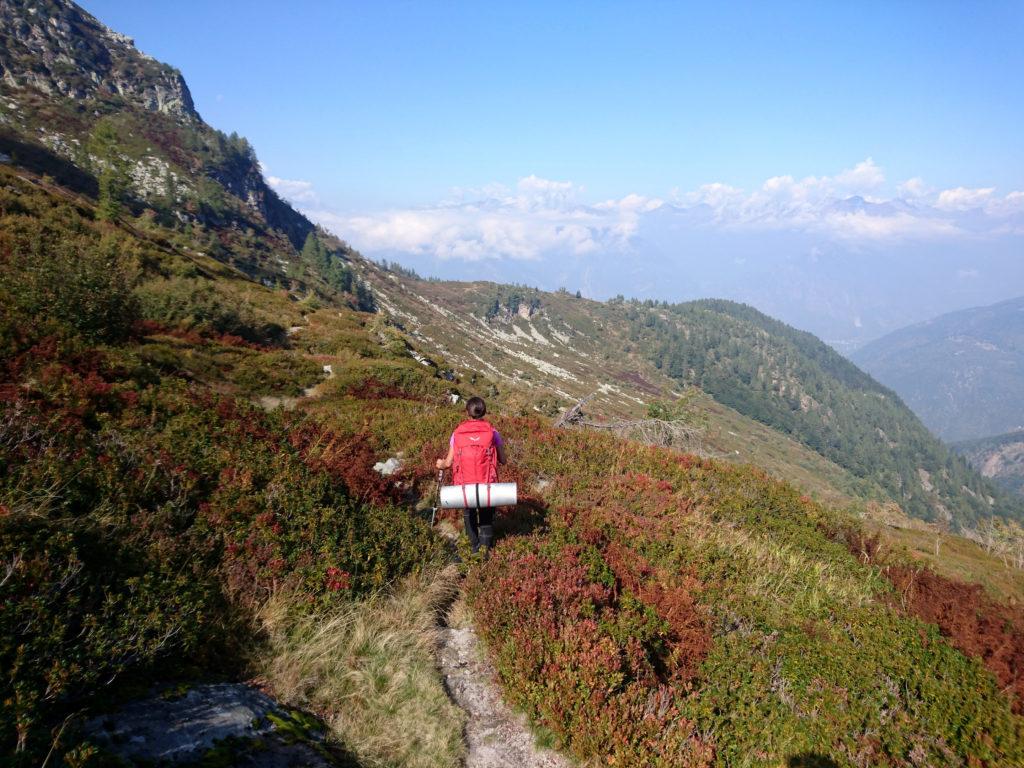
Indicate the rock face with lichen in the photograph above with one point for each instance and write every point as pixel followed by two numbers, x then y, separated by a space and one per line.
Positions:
pixel 62 71
pixel 225 724
pixel 57 48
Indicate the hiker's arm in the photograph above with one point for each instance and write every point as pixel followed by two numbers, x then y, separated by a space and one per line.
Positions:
pixel 501 453
pixel 446 462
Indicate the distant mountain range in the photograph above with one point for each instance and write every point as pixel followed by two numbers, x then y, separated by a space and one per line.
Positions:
pixel 962 373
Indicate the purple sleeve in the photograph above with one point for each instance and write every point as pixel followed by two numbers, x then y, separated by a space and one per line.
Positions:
pixel 497 439
pixel 451 441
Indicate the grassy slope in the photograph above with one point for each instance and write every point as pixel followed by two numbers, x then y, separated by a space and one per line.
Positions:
pixel 144 535
pixel 710 568
pixel 574 360
pixel 847 435
pixel 719 616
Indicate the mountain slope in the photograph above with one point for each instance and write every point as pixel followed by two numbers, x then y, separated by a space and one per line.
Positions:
pixel 78 88
pixel 631 353
pixel 162 521
pixel 962 373
pixel 141 146
pixel 1000 458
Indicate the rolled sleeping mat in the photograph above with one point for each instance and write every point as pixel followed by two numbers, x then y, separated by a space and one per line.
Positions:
pixel 475 495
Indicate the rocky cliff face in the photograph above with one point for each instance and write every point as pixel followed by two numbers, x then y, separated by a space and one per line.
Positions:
pixel 1000 458
pixel 55 58
pixel 57 48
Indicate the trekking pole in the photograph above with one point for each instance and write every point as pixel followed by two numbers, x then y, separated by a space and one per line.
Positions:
pixel 433 510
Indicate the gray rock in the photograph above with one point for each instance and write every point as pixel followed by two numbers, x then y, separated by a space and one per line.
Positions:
pixel 183 729
pixel 389 467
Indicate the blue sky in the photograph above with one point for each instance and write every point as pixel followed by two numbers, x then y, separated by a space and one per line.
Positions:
pixel 846 166
pixel 395 103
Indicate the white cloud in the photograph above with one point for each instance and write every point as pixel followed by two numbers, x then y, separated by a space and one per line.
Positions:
pixel 963 199
pixel 860 225
pixel 294 190
pixel 541 217
pixel 863 177
pixel 914 188
pixel 1012 204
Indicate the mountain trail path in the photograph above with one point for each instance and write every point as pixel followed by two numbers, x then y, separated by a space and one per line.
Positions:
pixel 496 736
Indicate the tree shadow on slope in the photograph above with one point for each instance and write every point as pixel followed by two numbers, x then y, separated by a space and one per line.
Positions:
pixel 811 760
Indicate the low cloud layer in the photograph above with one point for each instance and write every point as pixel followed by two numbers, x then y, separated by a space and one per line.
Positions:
pixel 541 217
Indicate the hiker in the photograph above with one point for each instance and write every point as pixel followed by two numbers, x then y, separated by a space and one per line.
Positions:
pixel 475 449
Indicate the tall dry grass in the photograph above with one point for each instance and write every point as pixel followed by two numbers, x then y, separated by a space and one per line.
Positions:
pixel 370 670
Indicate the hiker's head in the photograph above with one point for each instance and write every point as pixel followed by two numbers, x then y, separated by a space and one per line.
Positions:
pixel 476 408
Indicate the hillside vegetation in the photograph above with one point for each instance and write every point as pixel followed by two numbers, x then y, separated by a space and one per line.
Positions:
pixel 867 443
pixel 194 393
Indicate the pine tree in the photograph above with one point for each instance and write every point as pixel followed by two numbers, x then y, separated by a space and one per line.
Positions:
pixel 311 250
pixel 112 170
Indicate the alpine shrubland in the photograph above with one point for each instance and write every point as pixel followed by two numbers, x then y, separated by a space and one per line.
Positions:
pixel 159 524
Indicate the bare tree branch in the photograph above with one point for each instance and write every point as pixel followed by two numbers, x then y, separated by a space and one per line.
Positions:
pixel 675 433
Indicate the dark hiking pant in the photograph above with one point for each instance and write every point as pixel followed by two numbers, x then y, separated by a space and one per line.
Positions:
pixel 479 527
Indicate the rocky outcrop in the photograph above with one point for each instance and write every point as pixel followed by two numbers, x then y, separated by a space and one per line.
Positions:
pixel 1000 458
pixel 240 175
pixel 57 48
pixel 225 724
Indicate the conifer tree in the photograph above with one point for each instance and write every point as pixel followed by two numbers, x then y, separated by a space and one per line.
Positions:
pixel 112 170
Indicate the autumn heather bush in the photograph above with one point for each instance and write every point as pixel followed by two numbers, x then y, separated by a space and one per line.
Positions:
pixel 202 304
pixel 972 621
pixel 390 379
pixel 784 642
pixel 279 373
pixel 142 520
pixel 585 657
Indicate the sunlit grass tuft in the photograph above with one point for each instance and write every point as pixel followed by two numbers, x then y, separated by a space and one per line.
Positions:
pixel 369 668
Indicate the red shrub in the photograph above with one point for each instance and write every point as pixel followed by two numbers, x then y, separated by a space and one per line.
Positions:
pixel 566 655
pixel 672 597
pixel 350 459
pixel 975 624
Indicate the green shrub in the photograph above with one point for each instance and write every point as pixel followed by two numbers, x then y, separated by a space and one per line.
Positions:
pixel 141 526
pixel 278 373
pixel 76 284
pixel 199 304
pixel 389 379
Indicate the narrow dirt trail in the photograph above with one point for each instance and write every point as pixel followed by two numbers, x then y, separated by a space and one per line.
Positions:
pixel 496 736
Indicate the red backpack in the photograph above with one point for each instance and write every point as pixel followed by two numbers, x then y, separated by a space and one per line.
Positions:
pixel 476 458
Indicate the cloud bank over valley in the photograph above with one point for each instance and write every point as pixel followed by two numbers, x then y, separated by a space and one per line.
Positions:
pixel 848 256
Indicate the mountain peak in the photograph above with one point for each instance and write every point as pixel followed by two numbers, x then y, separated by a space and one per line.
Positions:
pixel 57 48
